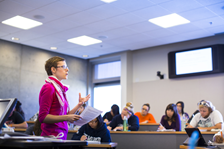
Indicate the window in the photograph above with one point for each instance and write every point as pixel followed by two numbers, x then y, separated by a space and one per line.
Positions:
pixel 107 95
pixel 108 70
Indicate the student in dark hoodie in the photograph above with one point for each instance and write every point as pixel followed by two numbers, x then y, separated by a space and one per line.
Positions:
pixel 117 121
pixel 95 130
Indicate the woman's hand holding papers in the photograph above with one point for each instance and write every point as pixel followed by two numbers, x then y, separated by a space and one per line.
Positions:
pixel 72 117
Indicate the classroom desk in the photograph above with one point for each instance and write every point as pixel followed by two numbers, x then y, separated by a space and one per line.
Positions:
pixel 148 127
pixel 30 123
pixel 152 139
pixel 28 144
pixel 186 147
pixel 111 145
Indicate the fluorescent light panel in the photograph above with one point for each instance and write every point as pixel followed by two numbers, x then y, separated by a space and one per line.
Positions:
pixel 169 20
pixel 84 40
pixel 108 1
pixel 22 22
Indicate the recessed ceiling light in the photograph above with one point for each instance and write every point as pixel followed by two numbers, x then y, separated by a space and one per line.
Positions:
pixel 169 20
pixel 108 1
pixel 53 48
pixel 15 38
pixel 84 40
pixel 21 22
pixel 85 55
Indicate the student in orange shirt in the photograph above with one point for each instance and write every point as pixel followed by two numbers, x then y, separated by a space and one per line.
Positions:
pixel 144 116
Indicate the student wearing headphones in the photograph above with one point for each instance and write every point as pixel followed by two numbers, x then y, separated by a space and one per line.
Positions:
pixel 144 116
pixel 208 118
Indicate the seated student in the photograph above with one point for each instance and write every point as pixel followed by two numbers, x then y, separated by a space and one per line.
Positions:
pixel 113 112
pixel 34 129
pixel 16 120
pixel 19 109
pixel 180 110
pixel 171 119
pixel 144 116
pixel 189 120
pixel 117 122
pixel 208 118
pixel 95 130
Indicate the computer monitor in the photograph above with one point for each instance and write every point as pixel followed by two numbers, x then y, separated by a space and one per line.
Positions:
pixel 6 107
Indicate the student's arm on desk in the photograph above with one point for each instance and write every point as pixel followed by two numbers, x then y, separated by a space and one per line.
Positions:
pixel 217 126
pixel 21 125
pixel 78 135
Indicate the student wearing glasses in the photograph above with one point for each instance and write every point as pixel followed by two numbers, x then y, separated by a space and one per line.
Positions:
pixel 208 118
pixel 171 119
pixel 54 111
pixel 117 122
pixel 95 130
pixel 144 116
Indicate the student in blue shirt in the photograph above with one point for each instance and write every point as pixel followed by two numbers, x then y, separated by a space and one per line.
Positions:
pixel 117 121
pixel 95 130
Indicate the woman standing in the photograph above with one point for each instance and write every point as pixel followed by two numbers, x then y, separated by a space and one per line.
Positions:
pixel 54 112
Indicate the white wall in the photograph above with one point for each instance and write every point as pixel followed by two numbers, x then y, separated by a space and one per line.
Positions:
pixel 148 88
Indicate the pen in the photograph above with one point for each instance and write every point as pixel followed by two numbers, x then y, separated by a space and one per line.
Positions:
pixel 221 134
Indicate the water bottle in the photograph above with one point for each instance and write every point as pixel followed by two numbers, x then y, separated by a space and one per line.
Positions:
pixel 183 122
pixel 125 123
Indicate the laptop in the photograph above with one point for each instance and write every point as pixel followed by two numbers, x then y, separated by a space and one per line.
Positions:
pixel 200 141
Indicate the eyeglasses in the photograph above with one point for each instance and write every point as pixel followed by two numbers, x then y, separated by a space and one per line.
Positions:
pixel 64 67
pixel 144 109
pixel 93 122
pixel 204 103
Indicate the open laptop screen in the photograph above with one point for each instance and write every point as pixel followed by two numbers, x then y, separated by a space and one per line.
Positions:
pixel 6 106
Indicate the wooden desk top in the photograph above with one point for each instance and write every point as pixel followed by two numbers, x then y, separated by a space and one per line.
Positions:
pixel 186 147
pixel 103 145
pixel 30 122
pixel 149 124
pixel 157 132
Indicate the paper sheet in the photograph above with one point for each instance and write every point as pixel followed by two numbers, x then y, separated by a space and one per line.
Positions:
pixel 87 115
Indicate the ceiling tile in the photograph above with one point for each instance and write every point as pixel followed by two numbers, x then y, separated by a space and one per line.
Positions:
pixel 101 26
pixel 126 19
pixel 143 27
pixel 5 16
pixel 176 6
pixel 132 5
pixel 115 33
pixel 197 34
pixel 23 35
pixel 47 16
pixel 74 32
pixel 83 18
pixel 197 14
pixel 142 44
pixel 160 33
pixel 106 11
pixel 217 8
pixel 128 39
pixel 34 43
pixel 158 1
pixel 211 22
pixel 8 29
pixel 15 7
pixel 3 33
pixel 60 9
pixel 151 12
pixel 44 30
pixel 216 29
pixel 36 4
pixel 83 4
pixel 61 24
pixel 49 40
pixel 208 2
pixel 184 28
